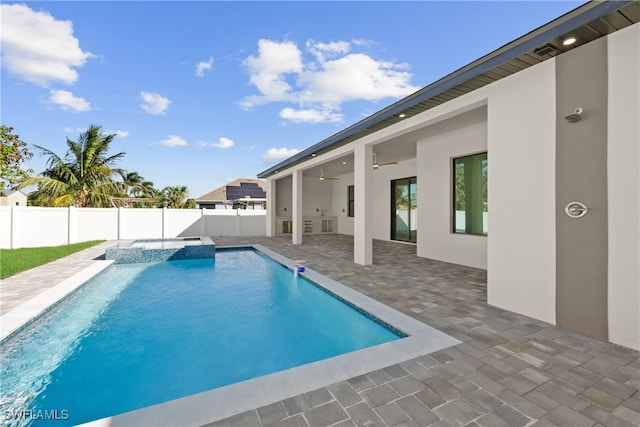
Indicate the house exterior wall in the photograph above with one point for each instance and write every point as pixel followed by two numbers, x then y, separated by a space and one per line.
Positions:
pixel 16 198
pixel 460 136
pixel 521 252
pixel 284 198
pixel 316 197
pixel 340 198
pixel 623 158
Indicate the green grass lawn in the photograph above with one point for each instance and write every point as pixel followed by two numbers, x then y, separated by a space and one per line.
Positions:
pixel 14 261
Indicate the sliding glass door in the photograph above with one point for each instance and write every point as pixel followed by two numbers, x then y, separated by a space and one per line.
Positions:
pixel 404 207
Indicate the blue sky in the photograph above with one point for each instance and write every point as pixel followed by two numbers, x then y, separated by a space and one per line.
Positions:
pixel 200 93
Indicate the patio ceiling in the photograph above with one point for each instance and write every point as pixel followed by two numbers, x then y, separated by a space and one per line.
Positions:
pixel 586 23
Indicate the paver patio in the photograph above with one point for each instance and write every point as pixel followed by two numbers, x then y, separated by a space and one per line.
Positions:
pixel 510 370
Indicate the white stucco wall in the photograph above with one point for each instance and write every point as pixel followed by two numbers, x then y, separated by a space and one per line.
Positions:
pixel 284 198
pixel 340 198
pixel 455 137
pixel 623 181
pixel 316 196
pixel 522 251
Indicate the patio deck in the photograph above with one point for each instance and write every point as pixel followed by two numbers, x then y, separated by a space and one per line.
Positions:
pixel 510 370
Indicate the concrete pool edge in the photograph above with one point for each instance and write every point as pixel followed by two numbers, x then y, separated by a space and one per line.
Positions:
pixel 23 314
pixel 224 402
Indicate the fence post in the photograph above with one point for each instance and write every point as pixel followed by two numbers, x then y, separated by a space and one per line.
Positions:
pixel 238 226
pixel 15 227
pixel 165 220
pixel 203 228
pixel 120 222
pixel 71 225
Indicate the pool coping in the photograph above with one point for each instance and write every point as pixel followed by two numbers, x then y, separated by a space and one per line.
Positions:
pixel 20 316
pixel 223 402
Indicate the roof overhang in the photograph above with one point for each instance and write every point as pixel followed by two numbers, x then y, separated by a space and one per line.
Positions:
pixel 588 22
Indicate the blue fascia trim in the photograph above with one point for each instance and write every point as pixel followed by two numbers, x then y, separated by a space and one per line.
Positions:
pixel 456 78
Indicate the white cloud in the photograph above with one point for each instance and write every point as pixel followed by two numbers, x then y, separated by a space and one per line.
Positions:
pixel 275 155
pixel 202 66
pixel 269 69
pixel 356 76
pixel 323 50
pixel 318 81
pixel 68 102
pixel 173 141
pixel 153 103
pixel 223 143
pixel 38 48
pixel 309 116
pixel 119 133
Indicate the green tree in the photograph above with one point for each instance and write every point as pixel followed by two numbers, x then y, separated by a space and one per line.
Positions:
pixel 176 197
pixel 13 152
pixel 85 177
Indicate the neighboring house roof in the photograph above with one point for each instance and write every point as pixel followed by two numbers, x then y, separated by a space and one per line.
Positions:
pixel 588 22
pixel 235 190
pixel 9 193
pixel 13 196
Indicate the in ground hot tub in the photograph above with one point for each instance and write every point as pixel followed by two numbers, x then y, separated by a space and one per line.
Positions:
pixel 153 250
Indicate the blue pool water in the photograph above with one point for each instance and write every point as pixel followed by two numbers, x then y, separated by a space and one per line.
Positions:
pixel 141 334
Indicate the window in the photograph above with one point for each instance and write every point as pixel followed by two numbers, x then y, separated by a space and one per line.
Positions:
pixel 351 201
pixel 404 209
pixel 470 208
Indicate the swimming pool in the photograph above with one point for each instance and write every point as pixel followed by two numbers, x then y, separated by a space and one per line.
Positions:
pixel 142 334
pixel 225 401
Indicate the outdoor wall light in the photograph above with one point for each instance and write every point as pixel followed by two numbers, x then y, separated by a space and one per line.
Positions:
pixel 574 117
pixel 569 41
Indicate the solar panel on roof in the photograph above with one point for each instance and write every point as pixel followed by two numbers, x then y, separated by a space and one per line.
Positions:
pixel 245 189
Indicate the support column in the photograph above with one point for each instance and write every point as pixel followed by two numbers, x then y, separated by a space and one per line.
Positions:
pixel 271 207
pixel 296 202
pixel 362 240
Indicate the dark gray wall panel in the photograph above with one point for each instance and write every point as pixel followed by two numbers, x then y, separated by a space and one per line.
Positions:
pixel 581 175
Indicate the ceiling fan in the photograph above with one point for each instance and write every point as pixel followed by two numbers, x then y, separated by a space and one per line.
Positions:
pixel 323 178
pixel 376 164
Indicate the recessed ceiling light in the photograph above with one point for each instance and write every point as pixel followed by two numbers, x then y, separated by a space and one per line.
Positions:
pixel 344 163
pixel 569 41
pixel 313 154
pixel 402 115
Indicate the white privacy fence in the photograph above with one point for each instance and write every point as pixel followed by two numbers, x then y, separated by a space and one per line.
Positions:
pixel 31 226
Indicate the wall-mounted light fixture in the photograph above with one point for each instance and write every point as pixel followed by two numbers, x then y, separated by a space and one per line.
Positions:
pixel 574 117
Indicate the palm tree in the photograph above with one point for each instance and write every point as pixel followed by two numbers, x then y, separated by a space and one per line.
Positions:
pixel 176 196
pixel 85 176
pixel 133 183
